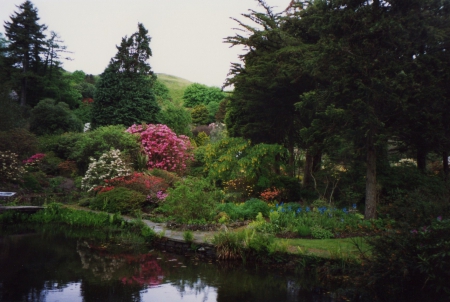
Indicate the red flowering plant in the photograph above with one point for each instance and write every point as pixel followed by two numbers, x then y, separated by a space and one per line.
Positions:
pixel 270 194
pixel 152 186
pixel 165 149
pixel 32 164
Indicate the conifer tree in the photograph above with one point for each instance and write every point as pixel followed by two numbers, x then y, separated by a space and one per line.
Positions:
pixel 26 44
pixel 124 92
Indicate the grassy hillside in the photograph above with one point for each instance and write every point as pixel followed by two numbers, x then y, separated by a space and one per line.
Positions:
pixel 176 86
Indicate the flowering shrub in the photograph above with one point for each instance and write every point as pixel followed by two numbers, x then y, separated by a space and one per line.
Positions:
pixel 152 186
pixel 165 150
pixel 10 169
pixel 67 168
pixel 108 166
pixel 270 194
pixel 34 160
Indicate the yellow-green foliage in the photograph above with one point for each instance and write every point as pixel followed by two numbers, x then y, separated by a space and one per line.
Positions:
pixel 202 139
pixel 233 158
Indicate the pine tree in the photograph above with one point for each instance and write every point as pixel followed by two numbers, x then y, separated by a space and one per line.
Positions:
pixel 124 92
pixel 26 44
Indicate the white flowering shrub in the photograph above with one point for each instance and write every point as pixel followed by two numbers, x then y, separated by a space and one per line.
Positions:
pixel 10 168
pixel 108 166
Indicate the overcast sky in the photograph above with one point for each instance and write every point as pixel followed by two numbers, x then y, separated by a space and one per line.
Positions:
pixel 187 35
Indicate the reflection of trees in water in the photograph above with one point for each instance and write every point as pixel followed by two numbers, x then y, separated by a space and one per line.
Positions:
pixel 133 269
pixel 32 266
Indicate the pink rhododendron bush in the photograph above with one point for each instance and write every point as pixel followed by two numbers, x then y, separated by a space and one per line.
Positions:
pixel 165 149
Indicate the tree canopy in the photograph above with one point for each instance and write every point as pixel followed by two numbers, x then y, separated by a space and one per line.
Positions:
pixel 124 92
pixel 354 69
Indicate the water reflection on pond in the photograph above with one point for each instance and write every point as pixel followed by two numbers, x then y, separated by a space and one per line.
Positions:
pixel 43 267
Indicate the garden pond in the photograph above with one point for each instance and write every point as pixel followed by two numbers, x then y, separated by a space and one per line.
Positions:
pixel 53 265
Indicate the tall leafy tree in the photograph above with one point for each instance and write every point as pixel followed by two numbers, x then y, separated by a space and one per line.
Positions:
pixel 26 45
pixel 269 82
pixel 366 52
pixel 124 92
pixel 199 94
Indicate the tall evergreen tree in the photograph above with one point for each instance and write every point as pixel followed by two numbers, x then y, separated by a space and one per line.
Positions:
pixel 269 83
pixel 124 92
pixel 26 44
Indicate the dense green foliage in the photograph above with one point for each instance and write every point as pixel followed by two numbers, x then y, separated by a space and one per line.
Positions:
pixel 176 118
pixel 49 117
pixel 124 92
pixel 191 201
pixel 333 62
pixel 118 200
pixel 199 94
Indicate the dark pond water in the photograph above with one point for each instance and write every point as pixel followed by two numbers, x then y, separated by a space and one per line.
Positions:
pixel 39 266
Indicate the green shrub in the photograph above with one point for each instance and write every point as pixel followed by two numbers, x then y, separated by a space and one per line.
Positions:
pixel 49 117
pixel 319 232
pixel 188 236
pixel 242 245
pixel 118 200
pixel 61 145
pixel 49 164
pixel 191 201
pixel 254 206
pixel 31 182
pixel 304 230
pixel 411 263
pixel 19 141
pixel 170 178
pixel 95 143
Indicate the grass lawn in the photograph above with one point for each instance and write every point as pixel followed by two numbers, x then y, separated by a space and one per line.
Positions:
pixel 327 248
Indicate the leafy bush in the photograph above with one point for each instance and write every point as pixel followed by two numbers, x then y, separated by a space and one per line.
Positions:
pixel 151 186
pixel 191 201
pixel 19 141
pixel 61 145
pixel 10 168
pixel 102 139
pixel 165 150
pixel 202 139
pixel 319 232
pixel 236 158
pixel 254 206
pixel 242 245
pixel 411 263
pixel 118 200
pixel 170 178
pixel 200 115
pixel 47 117
pixel 108 166
pixel 199 94
pixel 247 210
pixel 177 118
pixel 11 113
pixel 416 207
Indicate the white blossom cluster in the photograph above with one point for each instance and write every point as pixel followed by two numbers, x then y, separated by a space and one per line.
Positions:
pixel 10 168
pixel 108 166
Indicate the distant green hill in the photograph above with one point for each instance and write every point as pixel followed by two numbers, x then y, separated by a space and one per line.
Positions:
pixel 175 85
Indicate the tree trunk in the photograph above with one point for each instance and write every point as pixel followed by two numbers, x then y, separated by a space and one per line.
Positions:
pixel 317 161
pixel 445 164
pixel 291 160
pixel 307 170
pixel 370 211
pixel 421 158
